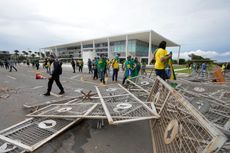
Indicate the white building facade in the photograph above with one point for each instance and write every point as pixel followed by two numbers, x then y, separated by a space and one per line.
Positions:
pixel 139 44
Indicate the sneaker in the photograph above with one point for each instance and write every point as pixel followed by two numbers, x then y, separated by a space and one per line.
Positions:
pixel 61 93
pixel 46 94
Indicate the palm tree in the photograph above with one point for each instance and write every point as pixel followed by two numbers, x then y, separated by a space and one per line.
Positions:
pixel 16 53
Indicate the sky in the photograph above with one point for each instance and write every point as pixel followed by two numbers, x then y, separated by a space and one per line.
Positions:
pixel 200 26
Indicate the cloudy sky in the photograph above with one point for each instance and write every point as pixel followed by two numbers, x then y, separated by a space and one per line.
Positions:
pixel 200 26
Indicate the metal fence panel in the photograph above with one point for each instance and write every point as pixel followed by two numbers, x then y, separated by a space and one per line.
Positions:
pixel 122 106
pixel 181 127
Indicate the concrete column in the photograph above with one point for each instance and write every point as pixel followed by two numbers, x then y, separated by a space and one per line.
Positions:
pixel 150 48
pixel 108 47
pixel 94 46
pixel 126 46
pixel 81 49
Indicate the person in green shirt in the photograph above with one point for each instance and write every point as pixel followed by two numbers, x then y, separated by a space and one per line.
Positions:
pixel 128 69
pixel 101 68
pixel 137 67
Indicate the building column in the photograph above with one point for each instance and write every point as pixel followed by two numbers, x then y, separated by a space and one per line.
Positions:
pixel 150 48
pixel 56 52
pixel 178 57
pixel 110 56
pixel 126 46
pixel 94 49
pixel 81 49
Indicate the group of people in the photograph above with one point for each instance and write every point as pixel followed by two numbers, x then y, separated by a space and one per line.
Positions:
pixel 100 67
pixel 8 64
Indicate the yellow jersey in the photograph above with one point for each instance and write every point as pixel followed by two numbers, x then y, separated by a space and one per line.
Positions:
pixel 159 54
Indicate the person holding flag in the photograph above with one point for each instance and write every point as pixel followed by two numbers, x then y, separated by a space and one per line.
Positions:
pixel 161 56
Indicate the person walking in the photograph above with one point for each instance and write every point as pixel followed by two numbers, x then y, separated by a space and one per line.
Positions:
pixel 56 71
pixel 161 56
pixel 101 68
pixel 115 66
pixel 90 65
pixel 6 62
pixel 11 63
pixel 73 65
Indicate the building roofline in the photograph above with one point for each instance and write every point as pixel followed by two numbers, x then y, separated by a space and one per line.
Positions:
pixel 113 36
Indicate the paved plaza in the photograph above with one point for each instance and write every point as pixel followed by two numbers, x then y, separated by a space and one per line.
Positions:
pixel 84 137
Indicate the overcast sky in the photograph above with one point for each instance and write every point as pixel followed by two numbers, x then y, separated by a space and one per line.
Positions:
pixel 200 26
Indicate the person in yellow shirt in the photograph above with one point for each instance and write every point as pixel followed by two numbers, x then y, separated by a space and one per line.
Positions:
pixel 161 57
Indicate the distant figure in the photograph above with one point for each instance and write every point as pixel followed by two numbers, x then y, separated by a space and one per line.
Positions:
pixel 115 66
pixel 101 68
pixel 56 71
pixel 143 68
pixel 28 63
pixel 95 72
pixel 223 68
pixel 73 65
pixel 161 56
pixel 80 64
pixel 90 65
pixel 11 63
pixel 137 67
pixel 6 64
pixel 203 68
pixel 37 65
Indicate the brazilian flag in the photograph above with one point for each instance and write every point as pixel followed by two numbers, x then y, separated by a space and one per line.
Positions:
pixel 172 74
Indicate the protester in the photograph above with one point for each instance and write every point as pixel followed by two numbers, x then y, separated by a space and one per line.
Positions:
pixel 137 67
pixel 11 63
pixel 90 66
pixel 143 68
pixel 73 65
pixel 128 66
pixel 95 72
pixel 56 71
pixel 161 56
pixel 101 68
pixel 6 64
pixel 115 66
pixel 80 64
pixel 203 68
pixel 37 64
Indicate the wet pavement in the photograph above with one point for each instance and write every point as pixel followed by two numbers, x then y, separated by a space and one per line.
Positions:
pixel 83 137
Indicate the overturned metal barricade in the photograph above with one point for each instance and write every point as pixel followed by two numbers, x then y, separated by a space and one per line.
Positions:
pixel 32 133
pixel 6 147
pixel 121 106
pixel 140 86
pixel 216 112
pixel 181 128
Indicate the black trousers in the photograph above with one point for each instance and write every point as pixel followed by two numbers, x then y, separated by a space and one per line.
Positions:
pixel 73 68
pixel 11 66
pixel 50 83
pixel 95 76
pixel 80 68
pixel 161 73
pixel 115 73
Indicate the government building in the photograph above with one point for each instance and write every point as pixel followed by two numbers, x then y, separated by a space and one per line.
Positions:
pixel 139 44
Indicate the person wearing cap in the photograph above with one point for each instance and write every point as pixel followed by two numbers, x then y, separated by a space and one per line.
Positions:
pixel 161 56
pixel 55 73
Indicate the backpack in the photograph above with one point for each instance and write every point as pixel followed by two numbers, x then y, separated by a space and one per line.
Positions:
pixel 59 67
